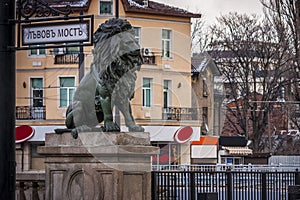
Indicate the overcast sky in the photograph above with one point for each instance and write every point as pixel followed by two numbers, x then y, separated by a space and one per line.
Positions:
pixel 210 9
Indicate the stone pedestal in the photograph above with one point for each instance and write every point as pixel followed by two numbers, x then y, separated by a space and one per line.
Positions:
pixel 98 166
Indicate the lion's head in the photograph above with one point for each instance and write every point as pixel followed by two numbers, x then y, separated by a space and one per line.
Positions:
pixel 115 48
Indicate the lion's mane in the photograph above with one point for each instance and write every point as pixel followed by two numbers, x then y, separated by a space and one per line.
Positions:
pixel 116 57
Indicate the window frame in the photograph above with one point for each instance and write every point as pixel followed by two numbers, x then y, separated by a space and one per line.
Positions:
pixel 167 91
pixel 138 37
pixel 69 51
pixel 112 8
pixel 163 46
pixel 171 149
pixel 145 93
pixel 68 88
pixel 205 88
pixel 33 89
pixel 38 51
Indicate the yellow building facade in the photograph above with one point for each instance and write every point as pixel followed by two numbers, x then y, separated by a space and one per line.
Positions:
pixel 47 78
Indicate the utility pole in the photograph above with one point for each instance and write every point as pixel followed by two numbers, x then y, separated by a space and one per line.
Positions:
pixel 117 9
pixel 7 100
pixel 81 57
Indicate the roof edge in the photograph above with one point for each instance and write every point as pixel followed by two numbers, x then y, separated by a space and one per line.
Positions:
pixel 133 9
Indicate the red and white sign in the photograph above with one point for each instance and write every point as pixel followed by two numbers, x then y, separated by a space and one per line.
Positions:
pixel 183 134
pixel 23 133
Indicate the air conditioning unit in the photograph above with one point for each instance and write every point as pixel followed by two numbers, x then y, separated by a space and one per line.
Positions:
pixel 147 52
pixel 59 51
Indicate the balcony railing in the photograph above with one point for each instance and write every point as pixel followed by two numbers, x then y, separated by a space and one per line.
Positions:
pixel 179 113
pixel 30 186
pixel 66 59
pixel 30 113
pixel 150 60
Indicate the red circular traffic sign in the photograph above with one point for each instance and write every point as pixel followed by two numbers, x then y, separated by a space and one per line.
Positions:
pixel 23 133
pixel 183 134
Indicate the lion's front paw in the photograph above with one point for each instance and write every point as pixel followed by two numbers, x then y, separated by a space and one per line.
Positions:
pixel 136 128
pixel 110 126
pixel 74 133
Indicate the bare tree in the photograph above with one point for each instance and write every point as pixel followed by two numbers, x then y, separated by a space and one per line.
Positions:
pixel 251 56
pixel 199 36
pixel 284 15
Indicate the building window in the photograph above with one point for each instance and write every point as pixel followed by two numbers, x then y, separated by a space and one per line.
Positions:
pixel 205 89
pixel 169 154
pixel 105 7
pixel 137 34
pixel 37 98
pixel 72 50
pixel 232 160
pixel 37 52
pixel 147 92
pixel 67 89
pixel 204 128
pixel 166 93
pixel 166 43
pixel 37 92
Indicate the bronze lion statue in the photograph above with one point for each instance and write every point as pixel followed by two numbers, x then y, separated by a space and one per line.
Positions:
pixel 110 82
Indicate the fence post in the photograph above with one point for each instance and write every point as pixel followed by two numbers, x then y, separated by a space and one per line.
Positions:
pixel 192 184
pixel 297 177
pixel 229 184
pixel 264 186
pixel 154 189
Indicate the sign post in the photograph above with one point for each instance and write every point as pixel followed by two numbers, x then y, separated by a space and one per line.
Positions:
pixel 7 100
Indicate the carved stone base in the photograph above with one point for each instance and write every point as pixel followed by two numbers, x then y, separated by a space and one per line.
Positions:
pixel 98 166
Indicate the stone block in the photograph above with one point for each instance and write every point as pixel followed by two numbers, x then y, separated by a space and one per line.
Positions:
pixel 105 166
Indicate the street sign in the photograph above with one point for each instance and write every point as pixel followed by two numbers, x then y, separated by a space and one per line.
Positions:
pixel 58 32
pixel 55 32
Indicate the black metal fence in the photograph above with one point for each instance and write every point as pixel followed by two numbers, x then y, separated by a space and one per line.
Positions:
pixel 229 185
